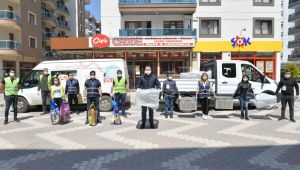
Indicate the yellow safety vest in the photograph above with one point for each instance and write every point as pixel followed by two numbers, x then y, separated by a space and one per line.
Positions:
pixel 120 86
pixel 11 88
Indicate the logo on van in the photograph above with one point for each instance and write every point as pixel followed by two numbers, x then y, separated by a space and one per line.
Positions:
pixel 240 41
pixel 100 41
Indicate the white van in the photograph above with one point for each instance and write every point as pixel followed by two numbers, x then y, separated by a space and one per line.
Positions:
pixel 106 71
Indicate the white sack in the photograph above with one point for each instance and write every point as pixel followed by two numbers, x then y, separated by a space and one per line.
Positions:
pixel 265 101
pixel 147 97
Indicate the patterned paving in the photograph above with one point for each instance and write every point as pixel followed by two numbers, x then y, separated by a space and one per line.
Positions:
pixel 185 143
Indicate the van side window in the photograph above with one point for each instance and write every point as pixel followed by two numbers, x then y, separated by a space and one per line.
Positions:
pixel 229 70
pixel 252 73
pixel 32 79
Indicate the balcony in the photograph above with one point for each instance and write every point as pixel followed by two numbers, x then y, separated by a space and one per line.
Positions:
pixel 63 25
pixel 50 3
pixel 157 6
pixel 50 54
pixel 157 32
pixel 294 44
pixel 9 19
pixel 9 47
pixel 294 30
pixel 294 3
pixel 63 9
pixel 49 18
pixel 15 1
pixel 47 35
pixel 88 14
pixel 294 16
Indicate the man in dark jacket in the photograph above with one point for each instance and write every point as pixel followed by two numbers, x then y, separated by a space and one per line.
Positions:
pixel 287 85
pixel 72 90
pixel 169 91
pixel 148 81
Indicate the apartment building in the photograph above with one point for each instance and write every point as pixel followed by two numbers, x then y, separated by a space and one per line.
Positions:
pixel 90 24
pixel 294 31
pixel 20 36
pixel 240 30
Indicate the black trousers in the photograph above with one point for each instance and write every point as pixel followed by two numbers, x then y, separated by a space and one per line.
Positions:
pixel 58 101
pixel 45 95
pixel 144 116
pixel 11 100
pixel 71 98
pixel 290 101
pixel 204 105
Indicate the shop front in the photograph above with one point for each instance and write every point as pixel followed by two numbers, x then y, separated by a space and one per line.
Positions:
pixel 265 55
pixel 163 54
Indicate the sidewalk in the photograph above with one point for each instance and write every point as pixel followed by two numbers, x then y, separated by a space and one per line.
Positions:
pixel 2 102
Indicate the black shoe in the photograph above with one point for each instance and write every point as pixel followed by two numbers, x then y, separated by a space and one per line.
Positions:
pixel 86 122
pixel 171 116
pixel 242 117
pixel 152 126
pixel 124 115
pixel 281 118
pixel 142 126
pixel 16 120
pixel 293 120
pixel 99 120
pixel 247 118
pixel 166 116
pixel 5 122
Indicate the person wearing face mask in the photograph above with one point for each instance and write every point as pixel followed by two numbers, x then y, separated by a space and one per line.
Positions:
pixel 203 94
pixel 93 93
pixel 11 84
pixel 120 87
pixel 44 85
pixel 72 91
pixel 287 85
pixel 57 92
pixel 148 81
pixel 169 91
pixel 244 92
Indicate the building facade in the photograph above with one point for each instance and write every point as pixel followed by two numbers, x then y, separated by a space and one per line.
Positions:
pixel 294 30
pixel 20 36
pixel 90 24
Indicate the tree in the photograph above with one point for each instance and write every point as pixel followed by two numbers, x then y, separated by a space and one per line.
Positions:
pixel 294 69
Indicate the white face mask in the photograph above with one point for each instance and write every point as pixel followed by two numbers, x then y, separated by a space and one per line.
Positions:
pixel 119 75
pixel 287 76
pixel 170 78
pixel 204 78
pixel 45 72
pixel 71 77
pixel 245 79
pixel 92 77
pixel 12 74
pixel 148 72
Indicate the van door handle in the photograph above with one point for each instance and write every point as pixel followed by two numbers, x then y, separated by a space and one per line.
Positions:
pixel 224 82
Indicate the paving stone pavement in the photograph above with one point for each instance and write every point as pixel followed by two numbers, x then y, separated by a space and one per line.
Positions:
pixel 182 143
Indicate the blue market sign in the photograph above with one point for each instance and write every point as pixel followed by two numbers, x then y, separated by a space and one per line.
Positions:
pixel 240 41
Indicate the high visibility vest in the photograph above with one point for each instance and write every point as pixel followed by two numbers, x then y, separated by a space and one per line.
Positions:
pixel 11 88
pixel 49 80
pixel 120 86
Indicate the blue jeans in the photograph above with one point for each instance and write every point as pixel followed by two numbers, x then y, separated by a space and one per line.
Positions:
pixel 169 102
pixel 11 100
pixel 120 99
pixel 244 107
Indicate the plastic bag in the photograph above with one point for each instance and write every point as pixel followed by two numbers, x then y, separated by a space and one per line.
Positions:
pixel 148 98
pixel 265 101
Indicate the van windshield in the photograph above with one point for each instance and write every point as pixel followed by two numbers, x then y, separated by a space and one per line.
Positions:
pixel 32 79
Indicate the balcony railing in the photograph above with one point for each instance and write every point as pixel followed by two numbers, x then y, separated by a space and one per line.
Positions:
pixel 63 24
pixel 9 45
pixel 10 15
pixel 294 44
pixel 294 3
pixel 157 32
pixel 126 2
pixel 294 16
pixel 48 34
pixel 294 30
pixel 48 16
pixel 50 54
pixel 63 8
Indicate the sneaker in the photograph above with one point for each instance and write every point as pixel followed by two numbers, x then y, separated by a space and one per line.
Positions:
pixel 142 126
pixel 152 126
pixel 16 120
pixel 247 118
pixel 242 117
pixel 205 117
pixel 86 122
pixel 5 122
pixel 281 118
pixel 293 120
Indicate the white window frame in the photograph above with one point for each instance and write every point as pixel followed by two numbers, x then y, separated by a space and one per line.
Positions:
pixel 35 18
pixel 29 37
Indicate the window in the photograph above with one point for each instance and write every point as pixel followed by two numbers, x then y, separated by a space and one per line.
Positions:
pixel 31 18
pixel 32 42
pixel 252 73
pixel 81 15
pixel 263 2
pixel 229 70
pixel 210 2
pixel 32 79
pixel 173 27
pixel 263 28
pixel 81 28
pixel 210 27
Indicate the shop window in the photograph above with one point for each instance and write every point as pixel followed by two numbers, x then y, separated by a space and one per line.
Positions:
pixel 263 2
pixel 210 2
pixel 229 70
pixel 210 56
pixel 210 27
pixel 174 67
pixel 263 28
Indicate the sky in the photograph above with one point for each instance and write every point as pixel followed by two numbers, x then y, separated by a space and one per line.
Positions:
pixel 95 8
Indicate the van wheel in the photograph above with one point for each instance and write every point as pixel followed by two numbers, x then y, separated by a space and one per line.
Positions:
pixel 106 104
pixel 22 105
